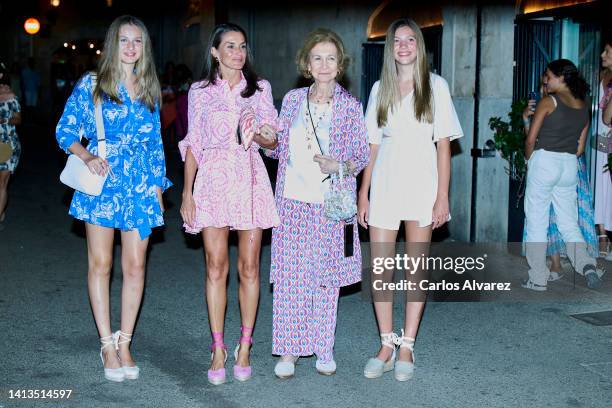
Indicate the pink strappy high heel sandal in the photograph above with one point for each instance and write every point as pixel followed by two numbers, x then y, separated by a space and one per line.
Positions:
pixel 243 373
pixel 217 377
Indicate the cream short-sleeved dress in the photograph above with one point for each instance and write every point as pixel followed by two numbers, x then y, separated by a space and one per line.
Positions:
pixel 405 175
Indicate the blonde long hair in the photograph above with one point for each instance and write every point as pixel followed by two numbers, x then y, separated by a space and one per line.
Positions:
pixel 389 92
pixel 109 68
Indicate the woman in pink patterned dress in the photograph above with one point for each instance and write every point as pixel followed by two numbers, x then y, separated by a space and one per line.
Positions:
pixel 322 132
pixel 230 116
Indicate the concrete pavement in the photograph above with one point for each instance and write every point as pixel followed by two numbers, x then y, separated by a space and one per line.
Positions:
pixel 511 354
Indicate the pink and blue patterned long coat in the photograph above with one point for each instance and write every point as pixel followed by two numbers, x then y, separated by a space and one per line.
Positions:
pixel 348 141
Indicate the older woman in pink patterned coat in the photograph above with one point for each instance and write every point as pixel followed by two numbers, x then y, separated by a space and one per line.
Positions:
pixel 230 116
pixel 322 131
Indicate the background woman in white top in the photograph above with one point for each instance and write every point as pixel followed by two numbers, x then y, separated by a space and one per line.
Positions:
pixel 410 121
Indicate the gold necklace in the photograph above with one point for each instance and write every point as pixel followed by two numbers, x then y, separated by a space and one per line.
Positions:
pixel 311 131
pixel 319 100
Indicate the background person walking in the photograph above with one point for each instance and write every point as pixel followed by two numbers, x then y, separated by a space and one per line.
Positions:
pixel 556 139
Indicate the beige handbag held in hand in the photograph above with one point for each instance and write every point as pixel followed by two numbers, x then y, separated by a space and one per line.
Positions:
pixel 6 151
pixel 76 174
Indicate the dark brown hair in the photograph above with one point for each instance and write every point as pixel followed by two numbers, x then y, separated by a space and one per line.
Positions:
pixel 572 78
pixel 211 66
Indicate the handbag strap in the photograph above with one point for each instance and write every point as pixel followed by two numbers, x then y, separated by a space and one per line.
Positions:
pixel 314 129
pixel 101 135
pixel 100 131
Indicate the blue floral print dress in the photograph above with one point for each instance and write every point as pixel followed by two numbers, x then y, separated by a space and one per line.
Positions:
pixel 135 154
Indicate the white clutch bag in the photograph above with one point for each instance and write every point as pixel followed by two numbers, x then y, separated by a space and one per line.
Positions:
pixel 76 174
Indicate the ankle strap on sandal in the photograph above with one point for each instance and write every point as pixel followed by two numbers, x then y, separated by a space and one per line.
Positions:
pixel 121 338
pixel 218 341
pixel 245 335
pixel 107 341
pixel 390 340
pixel 406 342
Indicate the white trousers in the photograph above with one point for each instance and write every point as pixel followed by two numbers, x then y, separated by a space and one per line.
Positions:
pixel 552 178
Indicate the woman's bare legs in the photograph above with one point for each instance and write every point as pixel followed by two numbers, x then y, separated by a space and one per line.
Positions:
pixel 5 175
pixel 249 248
pixel 417 243
pixel 100 261
pixel 217 268
pixel 382 244
pixel 555 265
pixel 602 237
pixel 133 259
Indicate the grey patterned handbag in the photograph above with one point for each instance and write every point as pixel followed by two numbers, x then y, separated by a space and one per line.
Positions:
pixel 339 204
pixel 602 142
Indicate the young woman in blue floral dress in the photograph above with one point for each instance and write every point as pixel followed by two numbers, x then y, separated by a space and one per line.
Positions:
pixel 126 85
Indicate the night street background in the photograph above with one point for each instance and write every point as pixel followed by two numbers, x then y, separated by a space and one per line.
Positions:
pixel 529 354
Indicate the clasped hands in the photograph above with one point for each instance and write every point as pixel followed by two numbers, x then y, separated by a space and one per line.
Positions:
pixel 265 136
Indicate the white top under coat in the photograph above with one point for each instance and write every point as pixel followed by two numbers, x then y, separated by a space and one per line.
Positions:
pixel 303 179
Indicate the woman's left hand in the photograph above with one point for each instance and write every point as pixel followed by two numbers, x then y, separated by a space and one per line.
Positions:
pixel 327 164
pixel 440 212
pixel 529 109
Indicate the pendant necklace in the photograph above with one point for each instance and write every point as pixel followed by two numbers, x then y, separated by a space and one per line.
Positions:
pixel 311 131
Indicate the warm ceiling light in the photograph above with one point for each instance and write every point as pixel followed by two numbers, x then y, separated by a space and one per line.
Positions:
pixel 32 26
pixel 55 3
pixel 533 6
pixel 65 45
pixel 91 45
pixel 98 52
pixel 74 47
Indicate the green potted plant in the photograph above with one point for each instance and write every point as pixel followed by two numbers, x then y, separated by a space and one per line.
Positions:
pixel 509 139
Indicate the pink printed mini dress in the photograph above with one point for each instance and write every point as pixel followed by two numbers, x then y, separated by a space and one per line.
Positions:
pixel 232 187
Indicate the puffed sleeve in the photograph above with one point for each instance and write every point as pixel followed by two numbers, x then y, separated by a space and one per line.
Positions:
pixel 375 133
pixel 266 112
pixel 75 114
pixel 445 121
pixel 157 159
pixel 193 139
pixel 359 141
pixel 283 127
